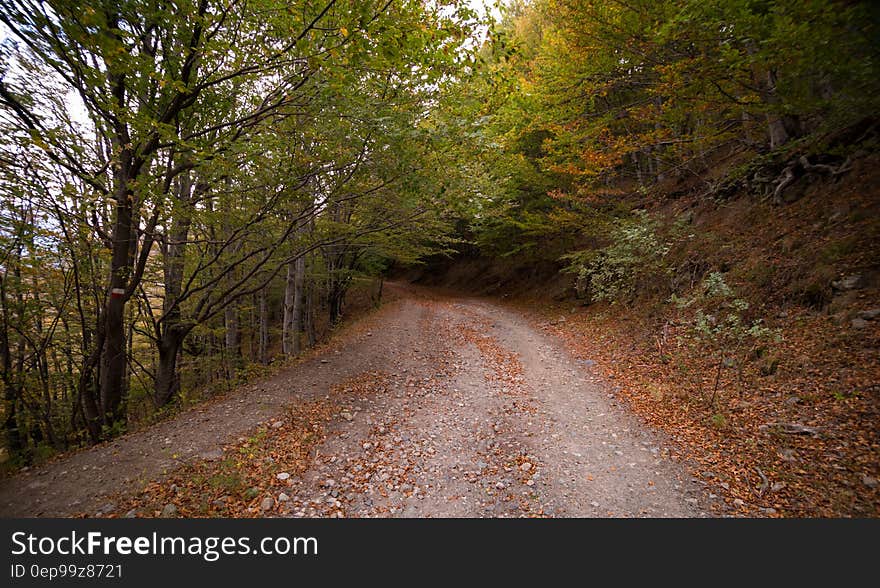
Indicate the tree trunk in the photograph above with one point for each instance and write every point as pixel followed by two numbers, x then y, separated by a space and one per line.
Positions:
pixel 299 276
pixel 311 331
pixel 41 363
pixel 167 383
pixel 636 159
pixel 263 347
pixel 334 300
pixel 776 128
pixel 11 390
pixel 233 333
pixel 287 332
pixel 10 423
pixel 172 330
pixel 113 352
pixel 89 392
pixel 377 300
pixel 658 126
pixel 781 127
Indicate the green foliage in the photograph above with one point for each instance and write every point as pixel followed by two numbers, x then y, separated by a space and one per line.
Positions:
pixel 636 256
pixel 721 318
pixel 116 429
pixel 574 106
pixel 719 421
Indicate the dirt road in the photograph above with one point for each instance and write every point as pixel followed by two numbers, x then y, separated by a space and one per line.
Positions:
pixel 481 415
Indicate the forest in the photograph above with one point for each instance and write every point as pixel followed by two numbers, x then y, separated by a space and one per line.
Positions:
pixel 196 192
pixel 188 186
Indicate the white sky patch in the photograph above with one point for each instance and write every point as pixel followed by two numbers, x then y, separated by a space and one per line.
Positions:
pixel 484 7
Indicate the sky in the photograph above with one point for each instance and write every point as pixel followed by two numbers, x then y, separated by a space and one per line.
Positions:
pixel 480 6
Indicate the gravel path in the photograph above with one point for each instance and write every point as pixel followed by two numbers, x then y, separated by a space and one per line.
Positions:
pixel 486 417
pixel 478 415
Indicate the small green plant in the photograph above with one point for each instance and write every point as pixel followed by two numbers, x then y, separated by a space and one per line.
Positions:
pixel 252 371
pixel 722 318
pixel 226 481
pixel 114 430
pixel 843 396
pixel 43 451
pixel 719 421
pixel 769 366
pixel 721 323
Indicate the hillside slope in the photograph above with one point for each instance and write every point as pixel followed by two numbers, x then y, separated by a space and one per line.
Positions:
pixel 785 423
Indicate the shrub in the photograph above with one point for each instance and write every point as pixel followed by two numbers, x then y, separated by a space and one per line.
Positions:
pixel 721 324
pixel 635 258
pixel 721 319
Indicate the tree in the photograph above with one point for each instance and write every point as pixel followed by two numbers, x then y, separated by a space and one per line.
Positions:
pixel 179 161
